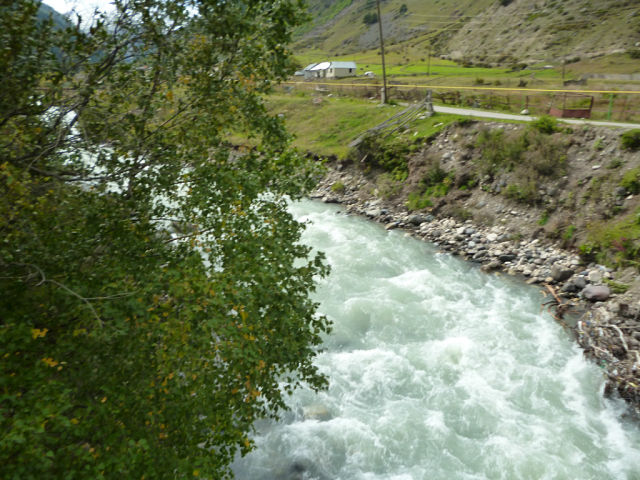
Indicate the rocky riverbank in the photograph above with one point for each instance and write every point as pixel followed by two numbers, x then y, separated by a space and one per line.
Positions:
pixel 581 296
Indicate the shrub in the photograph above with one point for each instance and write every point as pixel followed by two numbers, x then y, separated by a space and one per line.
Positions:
pixel 387 186
pixel 370 18
pixel 418 201
pixel 631 181
pixel 338 187
pixel 387 155
pixel 524 192
pixel 569 232
pixel 631 140
pixel 434 184
pixel 545 124
pixel 545 156
pixel 499 152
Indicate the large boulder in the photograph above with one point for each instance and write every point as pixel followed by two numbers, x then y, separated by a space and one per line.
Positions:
pixel 560 273
pixel 596 293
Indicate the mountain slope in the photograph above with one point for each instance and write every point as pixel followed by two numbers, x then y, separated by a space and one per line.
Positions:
pixel 493 31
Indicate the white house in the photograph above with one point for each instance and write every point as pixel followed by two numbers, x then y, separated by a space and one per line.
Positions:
pixel 342 69
pixel 329 70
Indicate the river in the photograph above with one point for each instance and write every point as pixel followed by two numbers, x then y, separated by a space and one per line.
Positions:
pixel 438 371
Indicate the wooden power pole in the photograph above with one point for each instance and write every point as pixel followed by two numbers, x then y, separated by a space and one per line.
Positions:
pixel 384 70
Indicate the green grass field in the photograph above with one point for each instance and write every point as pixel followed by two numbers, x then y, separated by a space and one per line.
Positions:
pixel 328 125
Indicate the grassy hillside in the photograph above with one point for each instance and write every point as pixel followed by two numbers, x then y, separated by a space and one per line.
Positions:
pixel 490 31
pixel 327 125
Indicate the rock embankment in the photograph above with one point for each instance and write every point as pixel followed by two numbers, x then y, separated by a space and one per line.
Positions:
pixel 606 324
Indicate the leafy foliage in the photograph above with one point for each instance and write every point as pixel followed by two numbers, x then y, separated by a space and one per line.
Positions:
pixel 387 154
pixel 631 181
pixel 630 140
pixel 155 293
pixel 435 183
pixel 370 18
pixel 614 242
pixel 545 124
pixel 528 156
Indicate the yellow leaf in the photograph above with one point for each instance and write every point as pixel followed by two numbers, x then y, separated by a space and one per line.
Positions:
pixel 50 362
pixel 75 421
pixel 37 333
pixel 196 473
pixel 104 399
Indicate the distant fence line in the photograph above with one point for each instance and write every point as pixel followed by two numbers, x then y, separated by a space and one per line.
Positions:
pixel 610 105
pixel 479 88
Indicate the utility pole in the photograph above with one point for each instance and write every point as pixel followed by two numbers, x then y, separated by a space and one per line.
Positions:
pixel 384 70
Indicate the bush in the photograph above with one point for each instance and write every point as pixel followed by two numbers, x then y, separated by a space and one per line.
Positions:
pixel 434 184
pixel 630 140
pixel 387 155
pixel 370 18
pixel 545 124
pixel 631 181
pixel 418 201
pixel 498 152
pixel 338 187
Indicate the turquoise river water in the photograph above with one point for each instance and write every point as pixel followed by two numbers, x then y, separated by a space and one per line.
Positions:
pixel 438 371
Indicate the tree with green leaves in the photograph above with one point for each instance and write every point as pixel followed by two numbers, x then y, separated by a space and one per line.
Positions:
pixel 155 293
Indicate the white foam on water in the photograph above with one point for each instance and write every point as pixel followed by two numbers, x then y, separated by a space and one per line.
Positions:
pixel 439 371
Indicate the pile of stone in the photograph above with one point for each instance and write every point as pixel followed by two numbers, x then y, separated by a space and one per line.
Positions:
pixel 494 249
pixel 609 328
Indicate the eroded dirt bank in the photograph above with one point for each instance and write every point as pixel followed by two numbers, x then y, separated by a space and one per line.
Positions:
pixel 560 210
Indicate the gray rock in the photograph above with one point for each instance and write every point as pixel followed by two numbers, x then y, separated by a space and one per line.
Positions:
pixel 579 282
pixel 596 293
pixel 373 212
pixel 489 267
pixel 595 276
pixel 480 254
pixel 507 257
pixel 570 287
pixel 560 273
pixel 415 219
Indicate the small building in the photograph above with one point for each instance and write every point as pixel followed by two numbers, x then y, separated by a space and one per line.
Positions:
pixel 342 69
pixel 315 71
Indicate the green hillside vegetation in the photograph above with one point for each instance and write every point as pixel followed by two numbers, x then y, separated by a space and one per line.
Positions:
pixel 488 31
pixel 327 127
